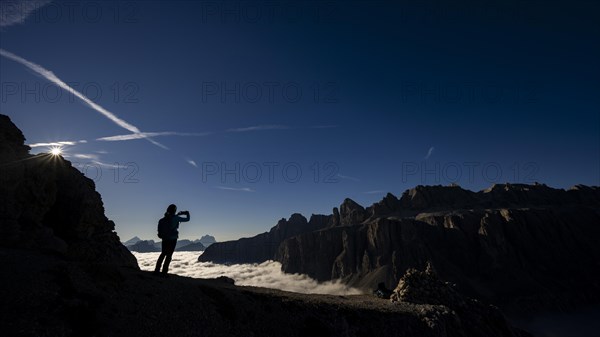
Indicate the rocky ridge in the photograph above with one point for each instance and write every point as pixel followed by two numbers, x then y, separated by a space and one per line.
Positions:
pixel 516 245
pixel 47 204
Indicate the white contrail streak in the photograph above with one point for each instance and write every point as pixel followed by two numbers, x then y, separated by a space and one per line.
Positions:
pixel 429 152
pixel 150 134
pixel 241 189
pixel 259 128
pixel 54 79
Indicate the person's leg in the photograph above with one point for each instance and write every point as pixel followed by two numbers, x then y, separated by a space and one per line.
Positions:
pixel 168 248
pixel 160 260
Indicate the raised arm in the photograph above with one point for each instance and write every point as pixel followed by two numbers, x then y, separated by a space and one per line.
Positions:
pixel 184 219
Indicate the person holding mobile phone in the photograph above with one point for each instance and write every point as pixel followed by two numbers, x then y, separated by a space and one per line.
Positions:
pixel 168 231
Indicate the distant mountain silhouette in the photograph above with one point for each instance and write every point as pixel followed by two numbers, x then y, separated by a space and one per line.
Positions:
pixel 191 247
pixel 515 245
pixel 145 246
pixel 132 241
pixel 207 240
pixel 149 246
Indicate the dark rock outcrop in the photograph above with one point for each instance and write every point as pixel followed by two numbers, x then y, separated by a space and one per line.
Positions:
pixel 425 287
pixel 47 204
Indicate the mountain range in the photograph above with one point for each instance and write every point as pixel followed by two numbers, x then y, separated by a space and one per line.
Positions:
pixel 136 244
pixel 523 247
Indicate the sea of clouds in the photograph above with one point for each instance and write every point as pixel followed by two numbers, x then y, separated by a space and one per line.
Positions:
pixel 267 274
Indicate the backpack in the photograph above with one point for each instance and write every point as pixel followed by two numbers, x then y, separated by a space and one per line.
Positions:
pixel 164 227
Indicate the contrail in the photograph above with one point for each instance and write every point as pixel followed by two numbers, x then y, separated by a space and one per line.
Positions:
pixel 259 128
pixel 150 134
pixel 242 189
pixel 54 79
pixel 430 152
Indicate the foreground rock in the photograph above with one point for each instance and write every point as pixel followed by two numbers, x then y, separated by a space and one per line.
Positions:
pixel 424 287
pixel 47 204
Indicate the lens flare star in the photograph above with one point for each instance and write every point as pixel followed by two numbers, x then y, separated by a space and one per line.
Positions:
pixel 56 151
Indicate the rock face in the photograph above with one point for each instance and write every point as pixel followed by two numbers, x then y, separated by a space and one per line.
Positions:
pixel 47 204
pixel 525 256
pixel 264 246
pixel 515 245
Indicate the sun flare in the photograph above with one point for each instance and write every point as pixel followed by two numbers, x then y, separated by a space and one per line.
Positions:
pixel 56 151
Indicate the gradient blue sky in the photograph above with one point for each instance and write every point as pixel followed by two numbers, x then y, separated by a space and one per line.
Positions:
pixel 408 93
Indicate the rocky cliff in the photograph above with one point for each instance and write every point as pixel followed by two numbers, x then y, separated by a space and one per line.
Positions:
pixel 512 244
pixel 46 204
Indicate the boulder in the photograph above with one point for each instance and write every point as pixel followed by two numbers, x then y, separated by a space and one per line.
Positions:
pixel 475 317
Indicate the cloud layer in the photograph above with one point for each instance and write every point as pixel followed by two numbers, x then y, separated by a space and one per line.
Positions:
pixel 266 275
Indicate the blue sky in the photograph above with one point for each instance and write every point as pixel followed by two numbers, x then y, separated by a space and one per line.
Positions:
pixel 276 108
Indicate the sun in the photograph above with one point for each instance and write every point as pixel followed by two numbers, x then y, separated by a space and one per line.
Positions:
pixel 56 151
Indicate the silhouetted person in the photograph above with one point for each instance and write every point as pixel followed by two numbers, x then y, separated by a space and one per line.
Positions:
pixel 169 234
